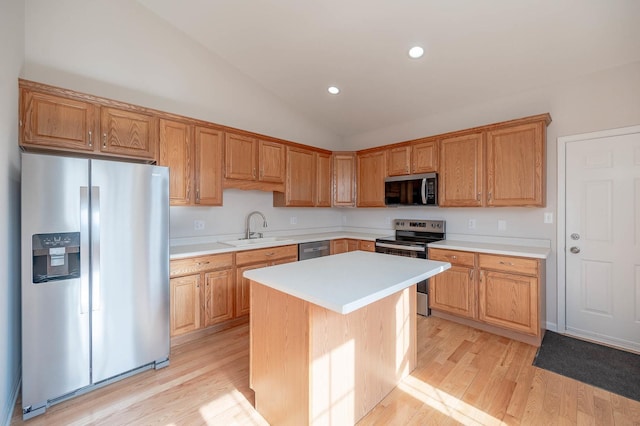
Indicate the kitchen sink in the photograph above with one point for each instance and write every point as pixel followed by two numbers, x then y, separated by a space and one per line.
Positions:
pixel 255 241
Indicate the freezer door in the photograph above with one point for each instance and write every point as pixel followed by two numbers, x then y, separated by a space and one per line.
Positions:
pixel 130 266
pixel 55 314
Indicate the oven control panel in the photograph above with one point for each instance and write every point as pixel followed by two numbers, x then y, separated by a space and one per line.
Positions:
pixel 419 225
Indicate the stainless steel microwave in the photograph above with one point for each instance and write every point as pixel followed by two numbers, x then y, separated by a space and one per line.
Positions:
pixel 411 190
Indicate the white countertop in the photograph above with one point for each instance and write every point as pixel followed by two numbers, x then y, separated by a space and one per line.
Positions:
pixel 349 281
pixel 492 248
pixel 190 250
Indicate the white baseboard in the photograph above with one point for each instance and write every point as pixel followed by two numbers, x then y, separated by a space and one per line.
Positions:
pixel 552 326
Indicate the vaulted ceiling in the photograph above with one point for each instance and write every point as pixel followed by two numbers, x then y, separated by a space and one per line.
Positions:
pixel 475 50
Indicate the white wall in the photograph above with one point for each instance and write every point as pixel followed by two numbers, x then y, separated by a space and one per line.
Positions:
pixel 120 50
pixel 604 100
pixel 12 54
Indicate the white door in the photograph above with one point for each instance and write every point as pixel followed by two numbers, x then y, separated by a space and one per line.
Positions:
pixel 602 239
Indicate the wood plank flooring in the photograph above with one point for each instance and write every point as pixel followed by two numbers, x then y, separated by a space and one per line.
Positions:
pixel 464 376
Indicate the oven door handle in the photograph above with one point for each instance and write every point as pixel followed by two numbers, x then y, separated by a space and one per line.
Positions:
pixel 400 247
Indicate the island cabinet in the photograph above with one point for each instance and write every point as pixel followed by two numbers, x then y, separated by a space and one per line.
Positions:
pixel 501 294
pixel 253 163
pixel 194 157
pixel 420 156
pixel 201 292
pixel 344 179
pixel 62 120
pixel 254 259
pixel 371 171
pixel 308 179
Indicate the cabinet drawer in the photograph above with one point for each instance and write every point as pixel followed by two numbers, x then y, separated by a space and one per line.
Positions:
pixel 366 245
pixel 518 265
pixel 455 257
pixel 193 265
pixel 265 255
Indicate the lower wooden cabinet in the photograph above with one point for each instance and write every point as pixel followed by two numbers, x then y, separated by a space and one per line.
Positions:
pixel 254 259
pixel 501 291
pixel 344 245
pixel 201 292
pixel 218 297
pixel 185 304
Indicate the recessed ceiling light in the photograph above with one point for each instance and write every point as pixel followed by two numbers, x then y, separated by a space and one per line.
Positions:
pixel 416 52
pixel 333 90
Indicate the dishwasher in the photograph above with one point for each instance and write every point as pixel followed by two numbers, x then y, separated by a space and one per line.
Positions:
pixel 313 249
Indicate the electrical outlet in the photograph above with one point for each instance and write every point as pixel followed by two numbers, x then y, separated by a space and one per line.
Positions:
pixel 344 219
pixel 502 225
pixel 293 220
pixel 548 217
pixel 472 224
pixel 198 225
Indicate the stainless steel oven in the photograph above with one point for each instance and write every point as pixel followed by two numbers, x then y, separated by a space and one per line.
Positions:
pixel 410 240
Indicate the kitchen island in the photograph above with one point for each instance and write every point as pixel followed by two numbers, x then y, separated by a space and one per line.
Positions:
pixel 331 336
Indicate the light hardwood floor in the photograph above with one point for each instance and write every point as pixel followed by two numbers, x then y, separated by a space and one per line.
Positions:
pixel 464 376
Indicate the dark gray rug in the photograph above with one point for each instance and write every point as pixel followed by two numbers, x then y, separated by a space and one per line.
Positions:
pixel 607 368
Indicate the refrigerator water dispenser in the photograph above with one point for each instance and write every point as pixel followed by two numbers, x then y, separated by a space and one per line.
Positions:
pixel 56 256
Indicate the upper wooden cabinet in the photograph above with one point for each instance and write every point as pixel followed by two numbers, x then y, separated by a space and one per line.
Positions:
pixel 413 157
pixel 252 163
pixel 503 165
pixel 57 122
pixel 424 156
pixel 323 179
pixel 53 118
pixel 399 161
pixel 240 157
pixel 461 167
pixel 344 179
pixel 128 134
pixel 372 169
pixel 308 179
pixel 194 157
pixel 515 165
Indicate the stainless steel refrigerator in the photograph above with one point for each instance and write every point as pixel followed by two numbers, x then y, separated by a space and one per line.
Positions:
pixel 95 275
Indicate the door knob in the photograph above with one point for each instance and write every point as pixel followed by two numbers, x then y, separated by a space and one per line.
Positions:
pixel 574 250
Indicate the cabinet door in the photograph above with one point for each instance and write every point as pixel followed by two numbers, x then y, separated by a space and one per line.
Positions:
pixel 366 245
pixel 352 245
pixel 515 166
pixel 272 157
pixel 453 291
pixel 372 169
pixel 176 152
pixel 399 161
pixel 208 166
pixel 509 301
pixel 339 246
pixel 460 177
pixel 323 180
pixel 185 304
pixel 240 157
pixel 425 157
pixel 301 177
pixel 344 180
pixel 218 296
pixel 128 133
pixel 52 121
pixel 243 296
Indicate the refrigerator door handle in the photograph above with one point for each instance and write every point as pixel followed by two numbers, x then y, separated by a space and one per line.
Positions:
pixel 84 250
pixel 95 248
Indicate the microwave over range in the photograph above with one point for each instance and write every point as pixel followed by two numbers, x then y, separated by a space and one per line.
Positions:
pixel 411 190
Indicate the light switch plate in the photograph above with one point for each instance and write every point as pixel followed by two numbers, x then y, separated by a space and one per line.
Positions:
pixel 502 225
pixel 548 217
pixel 293 220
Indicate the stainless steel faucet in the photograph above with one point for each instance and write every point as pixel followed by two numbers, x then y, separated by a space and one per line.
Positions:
pixel 247 226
